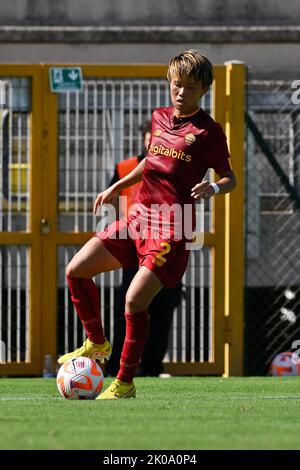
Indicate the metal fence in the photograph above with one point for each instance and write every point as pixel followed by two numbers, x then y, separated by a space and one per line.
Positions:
pixel 272 294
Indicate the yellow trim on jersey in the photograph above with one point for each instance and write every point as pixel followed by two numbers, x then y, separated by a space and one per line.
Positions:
pixel 187 115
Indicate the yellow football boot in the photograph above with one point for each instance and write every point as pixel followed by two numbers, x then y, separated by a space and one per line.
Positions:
pixel 100 352
pixel 117 390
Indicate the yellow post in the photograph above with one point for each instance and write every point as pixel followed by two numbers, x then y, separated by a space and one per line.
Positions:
pixel 36 189
pixel 218 213
pixel 234 223
pixel 48 222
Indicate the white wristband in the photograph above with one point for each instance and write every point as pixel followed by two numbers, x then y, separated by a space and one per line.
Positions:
pixel 215 187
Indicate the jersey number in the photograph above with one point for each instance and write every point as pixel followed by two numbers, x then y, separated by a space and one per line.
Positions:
pixel 159 258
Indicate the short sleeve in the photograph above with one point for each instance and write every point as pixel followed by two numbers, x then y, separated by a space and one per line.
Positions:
pixel 219 158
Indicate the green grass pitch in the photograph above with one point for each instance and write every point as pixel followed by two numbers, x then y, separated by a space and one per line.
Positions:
pixel 176 413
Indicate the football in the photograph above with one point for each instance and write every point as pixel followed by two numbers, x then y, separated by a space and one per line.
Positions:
pixel 285 363
pixel 80 378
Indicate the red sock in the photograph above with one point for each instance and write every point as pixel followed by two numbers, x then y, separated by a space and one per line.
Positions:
pixel 85 297
pixel 137 327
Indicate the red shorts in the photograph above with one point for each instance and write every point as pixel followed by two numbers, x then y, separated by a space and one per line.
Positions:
pixel 167 258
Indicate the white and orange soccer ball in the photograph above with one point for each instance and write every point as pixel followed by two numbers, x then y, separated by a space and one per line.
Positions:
pixel 80 378
pixel 285 363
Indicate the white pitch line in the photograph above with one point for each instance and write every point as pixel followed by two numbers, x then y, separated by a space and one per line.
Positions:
pixel 267 397
pixel 29 398
pixel 270 397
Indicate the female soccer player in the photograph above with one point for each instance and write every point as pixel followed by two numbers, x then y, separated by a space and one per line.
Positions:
pixel 185 142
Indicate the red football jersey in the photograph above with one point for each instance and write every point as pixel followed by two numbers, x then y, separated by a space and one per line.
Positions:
pixel 180 152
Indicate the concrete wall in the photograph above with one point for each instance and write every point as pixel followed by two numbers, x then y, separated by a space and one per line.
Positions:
pixel 263 34
pixel 149 12
pixel 264 60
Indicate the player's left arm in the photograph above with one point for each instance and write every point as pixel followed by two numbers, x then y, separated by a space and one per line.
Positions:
pixel 219 160
pixel 205 189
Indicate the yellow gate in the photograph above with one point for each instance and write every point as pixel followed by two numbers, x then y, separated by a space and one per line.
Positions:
pixel 21 209
pixel 58 151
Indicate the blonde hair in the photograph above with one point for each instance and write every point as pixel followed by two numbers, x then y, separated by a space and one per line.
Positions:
pixel 191 64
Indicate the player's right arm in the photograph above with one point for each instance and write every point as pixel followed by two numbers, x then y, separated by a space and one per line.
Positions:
pixel 135 176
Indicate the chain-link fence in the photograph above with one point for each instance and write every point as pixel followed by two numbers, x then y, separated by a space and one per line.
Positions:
pixel 272 291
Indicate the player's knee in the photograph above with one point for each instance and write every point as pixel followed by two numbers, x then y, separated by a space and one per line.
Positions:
pixel 71 270
pixel 133 303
